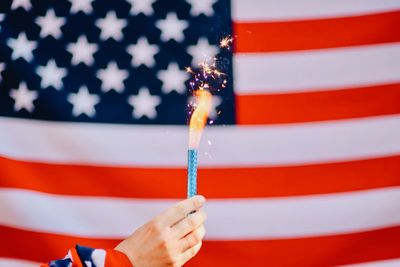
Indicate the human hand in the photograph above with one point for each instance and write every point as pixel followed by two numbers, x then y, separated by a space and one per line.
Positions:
pixel 170 239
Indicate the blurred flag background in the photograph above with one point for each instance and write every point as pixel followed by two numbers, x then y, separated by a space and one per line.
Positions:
pixel 301 166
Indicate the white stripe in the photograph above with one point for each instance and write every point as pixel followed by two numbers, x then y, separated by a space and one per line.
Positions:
pixel 7 262
pixel 124 145
pixel 285 10
pixel 316 70
pixel 384 263
pixel 237 219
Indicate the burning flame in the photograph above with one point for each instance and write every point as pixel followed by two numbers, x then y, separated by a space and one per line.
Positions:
pixel 199 117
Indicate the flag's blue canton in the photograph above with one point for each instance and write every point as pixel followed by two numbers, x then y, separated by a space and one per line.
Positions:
pixel 117 61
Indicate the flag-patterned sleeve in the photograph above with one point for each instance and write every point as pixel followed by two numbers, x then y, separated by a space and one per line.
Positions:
pixel 81 256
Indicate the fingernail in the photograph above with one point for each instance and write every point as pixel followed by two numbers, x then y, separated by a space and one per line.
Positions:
pixel 200 198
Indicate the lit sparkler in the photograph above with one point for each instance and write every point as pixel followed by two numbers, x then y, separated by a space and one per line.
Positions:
pixel 206 79
pixel 197 124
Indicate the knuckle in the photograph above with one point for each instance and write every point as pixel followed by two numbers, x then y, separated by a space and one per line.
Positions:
pixel 171 260
pixel 196 202
pixel 192 222
pixel 155 223
pixel 156 227
pixel 203 232
pixel 164 246
pixel 152 226
pixel 197 238
pixel 170 251
pixel 202 215
pixel 161 235
pixel 180 209
pixel 192 240
pixel 192 251
pixel 187 243
pixel 200 235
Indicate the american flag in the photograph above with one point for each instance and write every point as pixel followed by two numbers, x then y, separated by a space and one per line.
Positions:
pixel 300 168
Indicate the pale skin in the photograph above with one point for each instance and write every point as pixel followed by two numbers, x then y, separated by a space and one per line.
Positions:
pixel 170 239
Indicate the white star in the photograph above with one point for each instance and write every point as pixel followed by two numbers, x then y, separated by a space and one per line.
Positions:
pixel 215 102
pixel 23 98
pixel 82 51
pixel 2 16
pixel 22 47
pixel 172 28
pixel 144 104
pixel 173 79
pixel 81 5
pixel 51 75
pixel 111 26
pixel 25 4
pixel 143 53
pixel 141 6
pixel 50 24
pixel 203 51
pixel 201 7
pixel 2 67
pixel 112 78
pixel 83 102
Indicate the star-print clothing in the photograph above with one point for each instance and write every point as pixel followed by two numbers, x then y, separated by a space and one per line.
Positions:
pixel 81 256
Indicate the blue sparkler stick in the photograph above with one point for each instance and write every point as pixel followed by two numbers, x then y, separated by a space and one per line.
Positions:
pixel 198 121
pixel 192 173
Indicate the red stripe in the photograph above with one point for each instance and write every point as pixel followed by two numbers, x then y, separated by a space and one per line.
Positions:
pixel 318 106
pixel 315 34
pixel 171 183
pixel 311 252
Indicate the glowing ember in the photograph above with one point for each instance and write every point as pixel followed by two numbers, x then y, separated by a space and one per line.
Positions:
pixel 189 70
pixel 226 42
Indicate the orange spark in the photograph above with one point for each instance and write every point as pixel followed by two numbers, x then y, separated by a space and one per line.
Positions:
pixel 189 70
pixel 226 42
